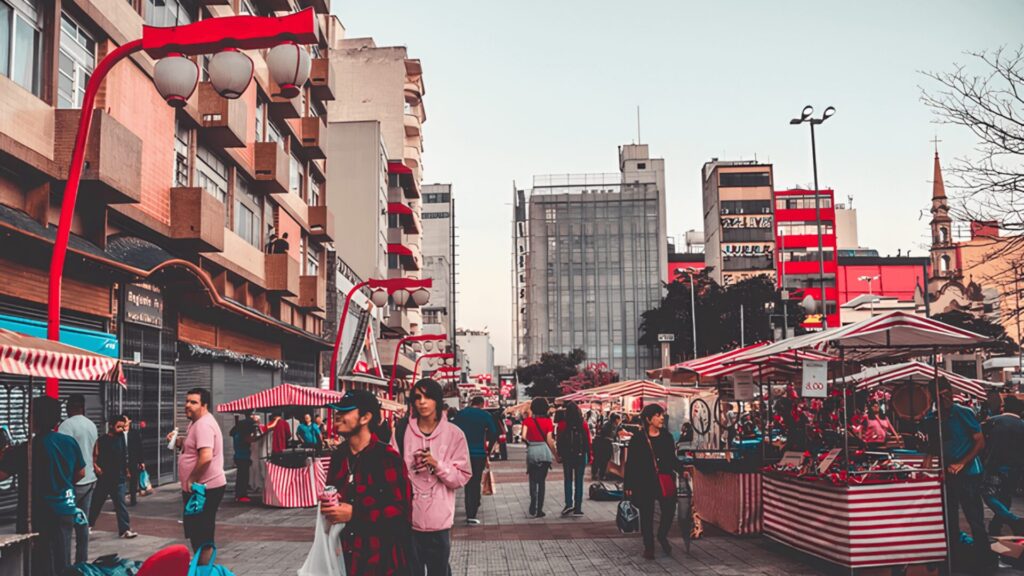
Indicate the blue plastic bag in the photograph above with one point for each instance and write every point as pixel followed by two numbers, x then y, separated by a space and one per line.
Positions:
pixel 197 501
pixel 144 480
pixel 210 569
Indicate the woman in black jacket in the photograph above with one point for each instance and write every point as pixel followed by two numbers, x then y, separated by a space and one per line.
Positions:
pixel 651 452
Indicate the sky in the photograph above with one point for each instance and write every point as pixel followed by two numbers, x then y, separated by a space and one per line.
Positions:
pixel 517 89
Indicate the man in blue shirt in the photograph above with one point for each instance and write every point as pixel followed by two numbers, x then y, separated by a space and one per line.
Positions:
pixel 481 432
pixel 57 464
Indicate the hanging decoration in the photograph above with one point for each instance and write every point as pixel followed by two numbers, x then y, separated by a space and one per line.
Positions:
pixel 196 351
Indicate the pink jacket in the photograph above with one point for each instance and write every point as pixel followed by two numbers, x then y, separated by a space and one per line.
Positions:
pixel 433 495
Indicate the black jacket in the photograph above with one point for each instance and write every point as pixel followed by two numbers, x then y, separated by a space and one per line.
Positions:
pixel 641 477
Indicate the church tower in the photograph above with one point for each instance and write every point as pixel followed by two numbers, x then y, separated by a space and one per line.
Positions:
pixel 943 251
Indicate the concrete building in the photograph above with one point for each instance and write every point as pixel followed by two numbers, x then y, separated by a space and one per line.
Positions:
pixel 739 240
pixel 477 352
pixel 595 260
pixel 168 267
pixel 438 218
pixel 847 237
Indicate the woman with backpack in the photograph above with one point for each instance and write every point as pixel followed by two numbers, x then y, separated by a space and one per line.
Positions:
pixel 574 453
pixel 651 469
pixel 538 433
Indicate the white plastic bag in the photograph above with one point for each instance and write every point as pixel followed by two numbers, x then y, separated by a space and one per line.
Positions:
pixel 325 557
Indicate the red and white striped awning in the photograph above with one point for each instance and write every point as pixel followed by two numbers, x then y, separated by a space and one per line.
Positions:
pixel 726 363
pixel 282 396
pixel 25 355
pixel 917 372
pixel 643 388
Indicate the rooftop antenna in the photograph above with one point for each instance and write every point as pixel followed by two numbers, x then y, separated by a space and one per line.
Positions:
pixel 638 140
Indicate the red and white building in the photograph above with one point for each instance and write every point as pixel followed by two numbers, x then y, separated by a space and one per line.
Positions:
pixel 796 257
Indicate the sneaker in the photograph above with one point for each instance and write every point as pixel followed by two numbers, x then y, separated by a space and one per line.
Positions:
pixel 473 521
pixel 243 500
pixel 665 546
pixel 577 512
pixel 128 534
pixel 567 510
pixel 541 514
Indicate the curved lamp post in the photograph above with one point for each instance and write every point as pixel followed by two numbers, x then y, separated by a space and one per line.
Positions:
pixel 400 289
pixel 446 356
pixel 175 77
pixel 422 338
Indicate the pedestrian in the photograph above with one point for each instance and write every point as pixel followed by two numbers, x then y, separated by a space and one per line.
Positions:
pixel 243 433
pixel 437 457
pixel 308 433
pixel 603 447
pixel 319 421
pixel 650 477
pixel 135 461
pixel 480 431
pixel 573 443
pixel 282 433
pixel 201 461
pixel 1004 438
pixel 373 489
pixel 538 433
pixel 57 464
pixel 85 433
pixel 110 461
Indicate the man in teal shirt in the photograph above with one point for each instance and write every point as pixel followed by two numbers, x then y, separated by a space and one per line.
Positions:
pixel 481 432
pixel 308 432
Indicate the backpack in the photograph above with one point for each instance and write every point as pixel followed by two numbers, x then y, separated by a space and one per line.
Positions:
pixel 572 445
pixel 109 565
pixel 600 492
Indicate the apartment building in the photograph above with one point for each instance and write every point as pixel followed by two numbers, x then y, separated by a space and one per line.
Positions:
pixel 738 231
pixel 438 216
pixel 803 270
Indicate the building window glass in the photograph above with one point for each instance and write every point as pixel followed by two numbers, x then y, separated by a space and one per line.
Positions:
pixel 801 202
pixel 20 50
pixel 312 260
pixel 247 212
pixel 169 12
pixel 211 173
pixel 743 179
pixel 314 192
pixel 437 198
pixel 273 133
pixel 181 167
pixel 259 120
pixel 246 7
pixel 295 176
pixel 77 61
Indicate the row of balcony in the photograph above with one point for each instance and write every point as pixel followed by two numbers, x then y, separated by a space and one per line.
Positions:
pixel 318 6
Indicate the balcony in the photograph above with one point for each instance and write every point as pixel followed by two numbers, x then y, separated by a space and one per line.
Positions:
pixel 222 121
pixel 413 91
pixel 311 136
pixel 321 81
pixel 274 5
pixel 412 157
pixel 406 179
pixel 408 217
pixel 214 2
pixel 271 167
pixel 406 247
pixel 281 108
pixel 412 125
pixel 197 220
pixel 281 274
pixel 321 223
pixel 312 293
pixel 318 6
pixel 113 156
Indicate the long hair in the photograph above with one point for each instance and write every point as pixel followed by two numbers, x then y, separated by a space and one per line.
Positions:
pixel 871 414
pixel 573 416
pixel 431 389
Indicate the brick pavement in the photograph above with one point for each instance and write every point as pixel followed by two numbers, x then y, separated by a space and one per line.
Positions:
pixel 258 541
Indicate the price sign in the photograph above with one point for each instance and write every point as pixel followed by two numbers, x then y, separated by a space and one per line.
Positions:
pixel 792 459
pixel 829 459
pixel 743 386
pixel 815 379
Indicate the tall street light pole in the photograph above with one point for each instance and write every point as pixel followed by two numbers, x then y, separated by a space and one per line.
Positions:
pixel 693 308
pixel 175 78
pixel 807 116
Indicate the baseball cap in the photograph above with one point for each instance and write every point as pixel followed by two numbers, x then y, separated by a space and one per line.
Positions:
pixel 357 399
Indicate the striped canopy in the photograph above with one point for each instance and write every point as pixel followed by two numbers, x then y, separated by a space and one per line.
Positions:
pixel 726 363
pixel 25 355
pixel 282 396
pixel 917 372
pixel 644 388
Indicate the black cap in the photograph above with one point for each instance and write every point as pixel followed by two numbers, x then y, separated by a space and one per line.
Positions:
pixel 358 399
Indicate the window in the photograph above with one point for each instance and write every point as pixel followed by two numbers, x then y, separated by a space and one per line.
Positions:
pixel 260 106
pixel 641 165
pixel 211 173
pixel 77 61
pixel 312 260
pixel 800 202
pixel 295 176
pixel 181 164
pixel 314 192
pixel 246 7
pixel 273 133
pixel 169 12
pixel 20 44
pixel 944 264
pixel 806 255
pixel 437 198
pixel 435 215
pixel 248 209
pixel 804 228
pixel 743 179
pixel 746 207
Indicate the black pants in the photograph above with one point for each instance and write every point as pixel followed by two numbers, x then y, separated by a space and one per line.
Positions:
pixel 201 528
pixel 242 478
pixel 965 491
pixel 429 553
pixel 473 487
pixel 537 475
pixel 646 508
pixel 602 455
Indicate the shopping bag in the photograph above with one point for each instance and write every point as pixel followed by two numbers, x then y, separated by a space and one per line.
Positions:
pixel 197 501
pixel 210 569
pixel 325 557
pixel 144 483
pixel 627 517
pixel 487 486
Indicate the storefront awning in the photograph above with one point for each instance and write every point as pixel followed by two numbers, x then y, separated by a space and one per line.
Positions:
pixel 89 340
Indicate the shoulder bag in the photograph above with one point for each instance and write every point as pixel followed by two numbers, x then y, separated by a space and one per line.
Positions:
pixel 666 481
pixel 536 452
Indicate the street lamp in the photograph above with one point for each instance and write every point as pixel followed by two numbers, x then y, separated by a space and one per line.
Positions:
pixel 443 356
pixel 690 271
pixel 422 338
pixel 381 291
pixel 869 280
pixel 807 116
pixel 175 77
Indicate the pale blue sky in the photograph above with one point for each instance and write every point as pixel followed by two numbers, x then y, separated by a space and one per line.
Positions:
pixel 522 88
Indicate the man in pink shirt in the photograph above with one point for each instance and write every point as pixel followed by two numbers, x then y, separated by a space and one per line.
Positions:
pixel 201 461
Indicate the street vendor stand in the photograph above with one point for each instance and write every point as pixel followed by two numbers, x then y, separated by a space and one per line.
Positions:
pixel 23 355
pixel 872 514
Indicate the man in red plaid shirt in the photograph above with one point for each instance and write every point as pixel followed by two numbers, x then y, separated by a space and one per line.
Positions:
pixel 374 490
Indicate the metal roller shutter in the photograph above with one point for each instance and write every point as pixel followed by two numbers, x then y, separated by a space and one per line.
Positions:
pixel 239 381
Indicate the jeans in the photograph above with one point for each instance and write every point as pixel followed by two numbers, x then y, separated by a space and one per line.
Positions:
pixel 574 477
pixel 998 489
pixel 473 487
pixel 242 478
pixel 51 554
pixel 83 499
pixel 133 484
pixel 116 493
pixel 537 474
pixel 429 553
pixel 202 528
pixel 965 491
pixel 646 508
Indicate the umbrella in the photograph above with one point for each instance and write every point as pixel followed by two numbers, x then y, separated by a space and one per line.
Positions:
pixel 25 355
pixel 918 372
pixel 282 396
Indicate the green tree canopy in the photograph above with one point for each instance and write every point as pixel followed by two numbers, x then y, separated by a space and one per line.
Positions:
pixel 1002 343
pixel 546 375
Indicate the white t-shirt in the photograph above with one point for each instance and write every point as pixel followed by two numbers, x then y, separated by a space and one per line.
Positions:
pixel 84 432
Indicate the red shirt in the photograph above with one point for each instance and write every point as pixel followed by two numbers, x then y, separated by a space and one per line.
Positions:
pixel 281 434
pixel 537 429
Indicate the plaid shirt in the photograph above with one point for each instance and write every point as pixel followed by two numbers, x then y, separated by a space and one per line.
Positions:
pixel 375 541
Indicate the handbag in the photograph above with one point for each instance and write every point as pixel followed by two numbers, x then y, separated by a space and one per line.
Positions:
pixel 211 569
pixel 325 557
pixel 627 517
pixel 536 452
pixel 144 483
pixel 487 487
pixel 666 480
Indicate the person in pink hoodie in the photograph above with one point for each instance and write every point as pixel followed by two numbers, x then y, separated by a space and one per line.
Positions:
pixel 437 456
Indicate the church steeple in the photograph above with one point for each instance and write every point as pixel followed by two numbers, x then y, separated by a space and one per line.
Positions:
pixel 943 249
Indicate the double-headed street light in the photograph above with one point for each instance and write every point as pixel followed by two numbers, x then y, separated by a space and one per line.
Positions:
pixel 175 77
pixel 422 339
pixel 869 280
pixel 446 357
pixel 807 116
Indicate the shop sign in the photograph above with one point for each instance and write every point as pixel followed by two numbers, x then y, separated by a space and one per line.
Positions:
pixel 743 386
pixel 144 304
pixel 746 250
pixel 815 376
pixel 747 222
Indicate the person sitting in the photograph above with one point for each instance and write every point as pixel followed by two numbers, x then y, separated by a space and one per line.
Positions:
pixel 877 428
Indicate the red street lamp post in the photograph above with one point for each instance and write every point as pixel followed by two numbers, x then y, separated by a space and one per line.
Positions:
pixel 175 77
pixel 400 289
pixel 431 338
pixel 446 356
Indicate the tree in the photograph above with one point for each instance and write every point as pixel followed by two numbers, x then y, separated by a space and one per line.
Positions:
pixel 546 376
pixel 1001 341
pixel 593 375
